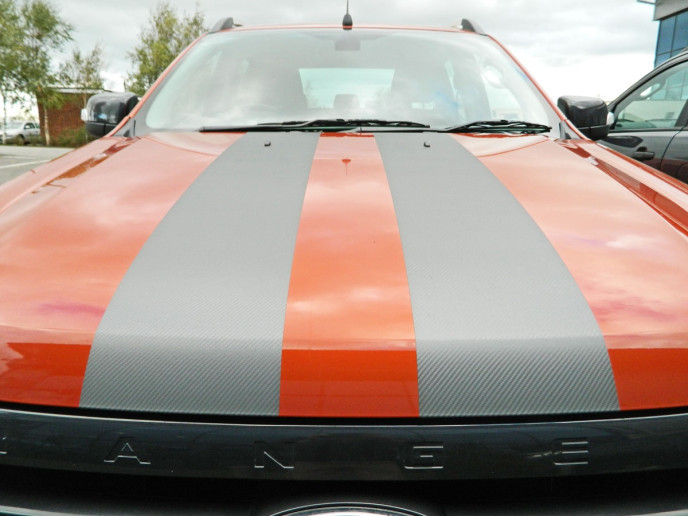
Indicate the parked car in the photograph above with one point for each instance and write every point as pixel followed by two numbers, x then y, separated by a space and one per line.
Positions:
pixel 20 133
pixel 342 271
pixel 650 119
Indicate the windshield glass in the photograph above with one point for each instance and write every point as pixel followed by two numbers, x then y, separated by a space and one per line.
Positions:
pixel 251 77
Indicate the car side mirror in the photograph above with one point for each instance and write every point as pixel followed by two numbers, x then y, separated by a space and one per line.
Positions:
pixel 103 112
pixel 588 114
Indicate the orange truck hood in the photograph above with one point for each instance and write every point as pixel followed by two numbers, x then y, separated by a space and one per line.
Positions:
pixel 357 315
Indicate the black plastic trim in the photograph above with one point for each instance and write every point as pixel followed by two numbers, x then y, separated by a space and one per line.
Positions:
pixel 223 24
pixel 471 26
pixel 343 451
pixel 44 492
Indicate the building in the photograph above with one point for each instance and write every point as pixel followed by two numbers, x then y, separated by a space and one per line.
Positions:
pixel 63 125
pixel 672 37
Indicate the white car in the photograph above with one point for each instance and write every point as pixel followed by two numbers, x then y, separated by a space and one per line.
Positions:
pixel 21 133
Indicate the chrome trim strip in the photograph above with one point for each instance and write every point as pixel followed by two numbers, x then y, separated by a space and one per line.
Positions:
pixel 342 451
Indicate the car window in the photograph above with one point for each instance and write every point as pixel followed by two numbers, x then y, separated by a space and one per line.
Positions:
pixel 439 79
pixel 322 86
pixel 657 104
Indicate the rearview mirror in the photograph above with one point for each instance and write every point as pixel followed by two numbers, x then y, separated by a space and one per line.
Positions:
pixel 104 111
pixel 588 114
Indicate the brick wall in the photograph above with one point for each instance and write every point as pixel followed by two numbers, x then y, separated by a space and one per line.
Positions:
pixel 66 118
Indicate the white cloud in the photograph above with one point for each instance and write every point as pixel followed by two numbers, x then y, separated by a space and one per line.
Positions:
pixel 580 47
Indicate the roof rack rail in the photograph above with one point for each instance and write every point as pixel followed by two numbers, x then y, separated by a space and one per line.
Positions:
pixel 471 26
pixel 224 23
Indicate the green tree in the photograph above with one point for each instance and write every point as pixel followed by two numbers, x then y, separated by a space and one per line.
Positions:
pixel 83 71
pixel 42 32
pixel 10 42
pixel 160 42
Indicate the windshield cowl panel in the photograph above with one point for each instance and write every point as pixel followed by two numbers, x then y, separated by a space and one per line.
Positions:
pixel 387 78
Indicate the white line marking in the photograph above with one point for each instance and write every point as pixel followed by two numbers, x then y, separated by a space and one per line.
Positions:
pixel 23 164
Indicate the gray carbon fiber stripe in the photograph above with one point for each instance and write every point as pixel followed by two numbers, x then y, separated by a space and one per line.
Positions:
pixel 501 326
pixel 196 325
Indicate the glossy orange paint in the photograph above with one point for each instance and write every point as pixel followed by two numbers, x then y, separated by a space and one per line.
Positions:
pixel 15 189
pixel 349 342
pixel 93 213
pixel 46 362
pixel 627 248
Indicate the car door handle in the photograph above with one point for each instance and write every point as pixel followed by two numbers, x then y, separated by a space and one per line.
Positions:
pixel 642 154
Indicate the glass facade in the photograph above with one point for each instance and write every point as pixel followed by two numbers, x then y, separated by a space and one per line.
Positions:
pixel 673 36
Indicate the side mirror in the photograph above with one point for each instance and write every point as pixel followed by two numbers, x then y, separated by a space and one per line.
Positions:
pixel 588 114
pixel 104 111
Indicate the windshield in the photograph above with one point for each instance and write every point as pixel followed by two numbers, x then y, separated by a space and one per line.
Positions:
pixel 437 78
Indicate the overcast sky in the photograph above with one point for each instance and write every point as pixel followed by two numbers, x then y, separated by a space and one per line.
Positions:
pixel 581 47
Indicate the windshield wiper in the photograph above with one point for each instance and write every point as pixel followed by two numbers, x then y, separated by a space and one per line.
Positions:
pixel 359 122
pixel 499 126
pixel 330 124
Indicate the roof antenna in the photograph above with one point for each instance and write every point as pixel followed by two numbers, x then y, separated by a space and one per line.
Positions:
pixel 348 22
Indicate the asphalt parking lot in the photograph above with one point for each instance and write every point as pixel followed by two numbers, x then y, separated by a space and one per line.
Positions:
pixel 15 160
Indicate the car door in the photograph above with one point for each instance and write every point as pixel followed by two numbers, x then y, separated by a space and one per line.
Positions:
pixel 649 119
pixel 34 132
pixel 26 132
pixel 29 131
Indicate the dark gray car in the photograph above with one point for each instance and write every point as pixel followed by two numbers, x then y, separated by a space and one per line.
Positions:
pixel 650 119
